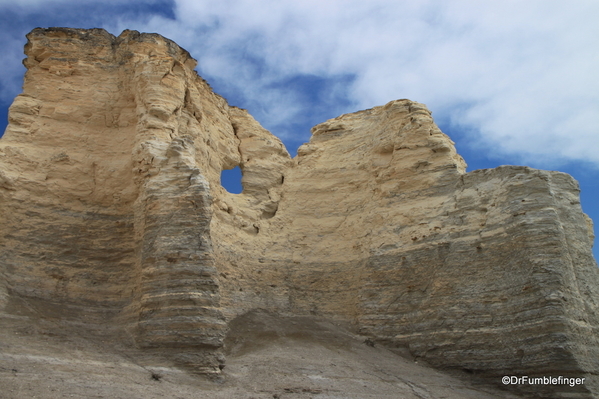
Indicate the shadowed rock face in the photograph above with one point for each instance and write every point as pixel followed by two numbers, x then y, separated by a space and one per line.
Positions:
pixel 113 215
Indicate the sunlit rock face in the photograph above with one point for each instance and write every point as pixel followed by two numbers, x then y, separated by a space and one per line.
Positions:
pixel 113 216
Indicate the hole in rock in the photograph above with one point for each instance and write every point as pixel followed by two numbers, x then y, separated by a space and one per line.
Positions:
pixel 231 180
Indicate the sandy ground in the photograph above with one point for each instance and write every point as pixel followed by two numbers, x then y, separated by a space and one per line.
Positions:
pixel 267 357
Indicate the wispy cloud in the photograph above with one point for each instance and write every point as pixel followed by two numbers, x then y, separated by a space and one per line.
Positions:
pixel 519 77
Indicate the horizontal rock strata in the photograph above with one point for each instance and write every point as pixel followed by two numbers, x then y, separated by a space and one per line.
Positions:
pixel 113 214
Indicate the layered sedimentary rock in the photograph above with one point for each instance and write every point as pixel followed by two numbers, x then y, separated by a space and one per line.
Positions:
pixel 113 213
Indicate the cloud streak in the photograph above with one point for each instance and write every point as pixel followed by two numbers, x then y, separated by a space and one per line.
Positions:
pixel 518 78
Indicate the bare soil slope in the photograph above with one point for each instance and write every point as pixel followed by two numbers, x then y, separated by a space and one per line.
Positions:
pixel 268 357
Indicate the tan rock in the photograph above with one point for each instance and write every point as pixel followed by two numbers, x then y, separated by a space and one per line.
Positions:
pixel 113 215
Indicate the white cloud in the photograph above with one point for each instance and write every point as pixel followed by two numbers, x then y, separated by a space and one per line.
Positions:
pixel 522 75
pixel 28 5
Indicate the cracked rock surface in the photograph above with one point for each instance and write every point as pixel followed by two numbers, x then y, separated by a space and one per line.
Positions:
pixel 115 225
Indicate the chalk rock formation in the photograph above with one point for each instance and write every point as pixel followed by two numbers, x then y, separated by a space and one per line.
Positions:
pixel 113 214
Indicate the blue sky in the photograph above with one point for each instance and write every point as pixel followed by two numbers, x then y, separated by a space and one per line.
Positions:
pixel 510 81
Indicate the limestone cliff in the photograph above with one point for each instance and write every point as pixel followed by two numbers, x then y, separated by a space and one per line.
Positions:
pixel 113 215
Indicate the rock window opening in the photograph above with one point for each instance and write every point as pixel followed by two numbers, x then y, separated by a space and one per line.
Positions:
pixel 231 180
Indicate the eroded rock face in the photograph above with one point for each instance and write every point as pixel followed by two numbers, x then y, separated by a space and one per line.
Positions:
pixel 113 214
